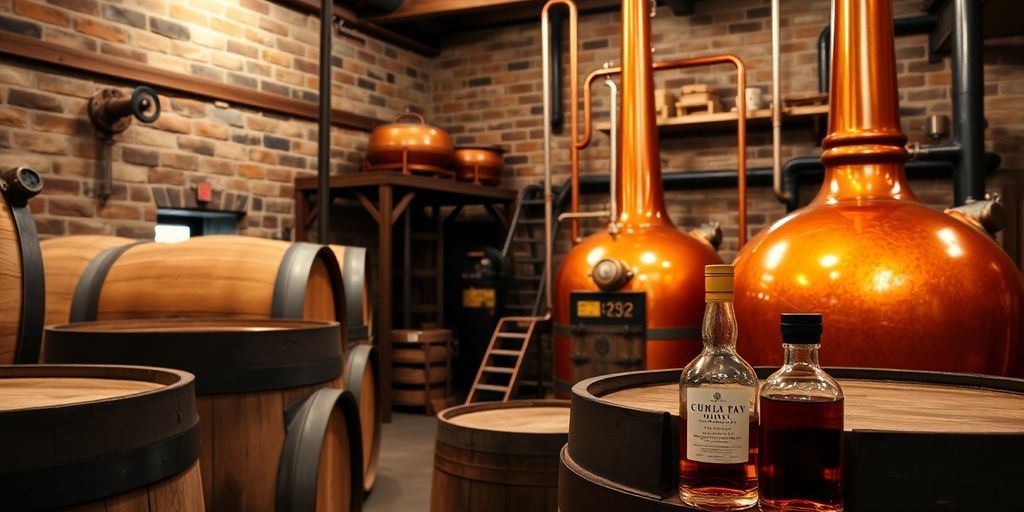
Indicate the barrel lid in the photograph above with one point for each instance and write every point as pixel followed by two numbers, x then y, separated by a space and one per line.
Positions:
pixel 18 393
pixel 505 427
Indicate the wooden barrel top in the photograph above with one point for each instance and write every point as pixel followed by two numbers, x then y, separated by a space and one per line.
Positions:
pixel 78 433
pixel 520 419
pixel 887 405
pixel 24 393
pixel 518 427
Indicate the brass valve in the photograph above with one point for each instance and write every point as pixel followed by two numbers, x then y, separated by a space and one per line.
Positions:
pixel 611 274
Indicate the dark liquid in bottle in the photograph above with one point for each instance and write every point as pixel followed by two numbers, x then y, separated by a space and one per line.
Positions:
pixel 801 455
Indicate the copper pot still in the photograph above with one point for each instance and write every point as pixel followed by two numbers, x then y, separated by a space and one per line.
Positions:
pixel 479 165
pixel 647 277
pixel 409 146
pixel 899 285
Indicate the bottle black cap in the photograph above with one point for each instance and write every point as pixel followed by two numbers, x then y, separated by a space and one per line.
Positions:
pixel 801 328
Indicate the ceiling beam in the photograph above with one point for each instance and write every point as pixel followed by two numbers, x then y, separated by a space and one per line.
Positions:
pixel 418 9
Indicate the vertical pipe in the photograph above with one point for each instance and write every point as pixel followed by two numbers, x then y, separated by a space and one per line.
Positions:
pixel 613 113
pixel 968 101
pixel 777 189
pixel 323 162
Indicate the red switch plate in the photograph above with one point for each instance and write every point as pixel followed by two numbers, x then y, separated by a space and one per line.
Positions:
pixel 204 192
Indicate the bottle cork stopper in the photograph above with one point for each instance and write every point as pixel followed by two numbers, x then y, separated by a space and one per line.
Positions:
pixel 718 282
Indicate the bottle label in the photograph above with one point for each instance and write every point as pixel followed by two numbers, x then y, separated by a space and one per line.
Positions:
pixel 718 424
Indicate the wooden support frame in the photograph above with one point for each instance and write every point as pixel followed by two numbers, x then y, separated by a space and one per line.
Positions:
pixel 383 186
pixel 117 68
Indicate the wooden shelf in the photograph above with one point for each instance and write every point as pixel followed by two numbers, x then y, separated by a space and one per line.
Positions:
pixel 727 120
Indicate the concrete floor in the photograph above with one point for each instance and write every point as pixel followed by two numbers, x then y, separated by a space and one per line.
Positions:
pixel 406 465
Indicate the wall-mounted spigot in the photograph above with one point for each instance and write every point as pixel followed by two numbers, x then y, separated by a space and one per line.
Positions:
pixel 112 112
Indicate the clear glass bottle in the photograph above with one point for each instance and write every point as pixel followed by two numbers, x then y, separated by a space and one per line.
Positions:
pixel 718 410
pixel 801 434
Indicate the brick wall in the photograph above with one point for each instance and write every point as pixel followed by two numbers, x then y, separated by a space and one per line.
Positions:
pixel 487 90
pixel 247 43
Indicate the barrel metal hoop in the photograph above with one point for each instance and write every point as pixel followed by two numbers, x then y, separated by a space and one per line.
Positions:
pixel 354 275
pixel 223 361
pixel 685 332
pixel 85 302
pixel 299 468
pixel 33 290
pixel 359 358
pixel 87 480
pixel 502 475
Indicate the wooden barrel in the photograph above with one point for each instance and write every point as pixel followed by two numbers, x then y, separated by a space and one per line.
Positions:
pixel 21 270
pixel 499 456
pixel 420 370
pixel 208 276
pixel 98 438
pixel 355 273
pixel 271 431
pixel 912 441
pixel 362 378
pixel 65 260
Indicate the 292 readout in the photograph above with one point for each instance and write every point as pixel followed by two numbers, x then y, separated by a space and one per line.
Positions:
pixel 600 308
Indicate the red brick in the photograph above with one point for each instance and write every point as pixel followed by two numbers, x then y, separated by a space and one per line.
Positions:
pixel 85 6
pixel 70 207
pixel 43 13
pixel 41 143
pixel 120 211
pixel 15 117
pixel 100 29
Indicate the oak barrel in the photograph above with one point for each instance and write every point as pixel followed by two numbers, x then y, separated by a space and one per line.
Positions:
pixel 98 438
pixel 362 378
pixel 207 276
pixel 66 259
pixel 913 441
pixel 498 456
pixel 274 419
pixel 355 274
pixel 420 370
pixel 21 270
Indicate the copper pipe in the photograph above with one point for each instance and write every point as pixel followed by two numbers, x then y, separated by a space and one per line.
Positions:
pixel 573 127
pixel 741 117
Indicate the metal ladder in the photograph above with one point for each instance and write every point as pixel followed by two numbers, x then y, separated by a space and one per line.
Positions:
pixel 524 249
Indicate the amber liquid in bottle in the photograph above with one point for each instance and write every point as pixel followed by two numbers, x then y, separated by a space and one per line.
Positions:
pixel 718 425
pixel 801 455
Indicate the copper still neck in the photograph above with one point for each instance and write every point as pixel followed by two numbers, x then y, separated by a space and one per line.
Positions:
pixel 638 174
pixel 864 151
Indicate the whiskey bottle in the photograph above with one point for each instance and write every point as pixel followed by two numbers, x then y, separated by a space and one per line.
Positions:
pixel 801 439
pixel 718 410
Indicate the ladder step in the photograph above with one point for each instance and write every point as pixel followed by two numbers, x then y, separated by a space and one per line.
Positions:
pixel 531 221
pixel 512 335
pixel 503 352
pixel 529 240
pixel 533 201
pixel 527 260
pixel 495 369
pixel 491 387
pixel 526 278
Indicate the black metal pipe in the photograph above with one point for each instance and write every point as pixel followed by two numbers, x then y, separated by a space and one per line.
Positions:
pixel 968 101
pixel 323 162
pixel 901 27
pixel 930 162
